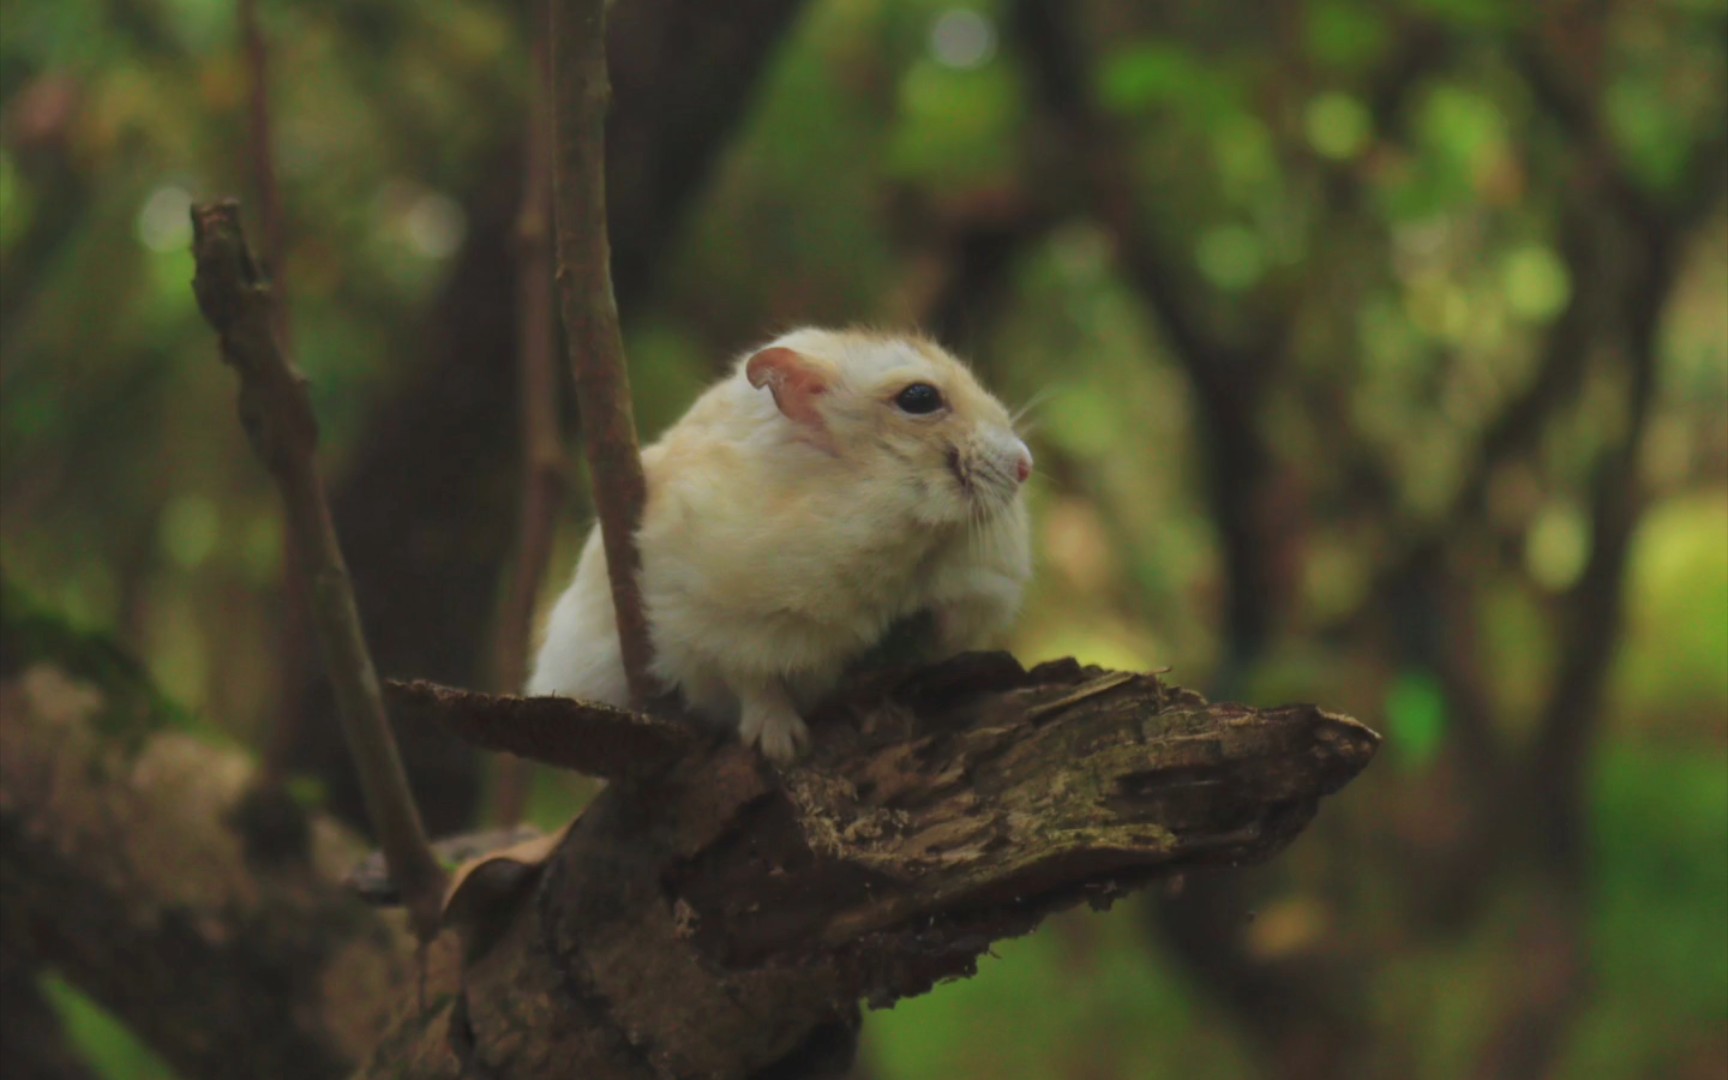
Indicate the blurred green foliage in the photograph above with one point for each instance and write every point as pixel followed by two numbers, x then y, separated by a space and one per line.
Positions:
pixel 112 1050
pixel 1385 181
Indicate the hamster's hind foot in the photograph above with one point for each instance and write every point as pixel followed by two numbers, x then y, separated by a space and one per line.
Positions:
pixel 769 720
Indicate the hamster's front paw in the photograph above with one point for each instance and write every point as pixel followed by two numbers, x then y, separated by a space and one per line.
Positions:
pixel 775 726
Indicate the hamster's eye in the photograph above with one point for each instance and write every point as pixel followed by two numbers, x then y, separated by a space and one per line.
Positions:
pixel 919 398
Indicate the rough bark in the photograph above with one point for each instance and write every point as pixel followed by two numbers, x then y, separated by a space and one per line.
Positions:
pixel 709 916
pixel 718 918
pixel 137 861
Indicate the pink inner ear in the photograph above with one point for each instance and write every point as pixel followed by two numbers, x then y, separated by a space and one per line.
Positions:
pixel 795 382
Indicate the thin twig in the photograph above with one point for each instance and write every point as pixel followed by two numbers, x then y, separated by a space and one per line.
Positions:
pixel 542 450
pixel 276 411
pixel 261 153
pixel 283 733
pixel 581 94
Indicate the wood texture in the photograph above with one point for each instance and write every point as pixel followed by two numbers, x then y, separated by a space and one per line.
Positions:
pixel 720 918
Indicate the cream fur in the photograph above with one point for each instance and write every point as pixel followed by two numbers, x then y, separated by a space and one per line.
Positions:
pixel 774 553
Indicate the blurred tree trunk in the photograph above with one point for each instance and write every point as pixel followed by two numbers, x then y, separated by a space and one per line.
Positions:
pixel 1519 813
pixel 1302 1015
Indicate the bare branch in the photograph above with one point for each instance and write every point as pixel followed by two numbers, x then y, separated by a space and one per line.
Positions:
pixel 266 190
pixel 543 470
pixel 276 412
pixel 261 154
pixel 593 739
pixel 581 94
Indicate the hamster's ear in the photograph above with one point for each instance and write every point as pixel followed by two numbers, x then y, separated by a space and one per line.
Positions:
pixel 794 380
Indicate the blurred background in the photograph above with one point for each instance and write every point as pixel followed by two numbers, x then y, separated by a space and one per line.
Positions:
pixel 1377 354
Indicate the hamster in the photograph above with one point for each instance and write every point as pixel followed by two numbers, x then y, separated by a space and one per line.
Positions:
pixel 835 483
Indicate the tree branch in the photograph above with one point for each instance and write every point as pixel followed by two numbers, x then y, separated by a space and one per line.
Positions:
pixel 261 155
pixel 159 878
pixel 589 738
pixel 266 190
pixel 276 412
pixel 543 468
pixel 717 918
pixel 581 94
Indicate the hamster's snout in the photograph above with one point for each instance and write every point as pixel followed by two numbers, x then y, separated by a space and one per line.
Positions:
pixel 1012 457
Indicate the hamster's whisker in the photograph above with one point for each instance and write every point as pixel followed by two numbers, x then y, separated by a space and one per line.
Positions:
pixel 978 534
pixel 995 477
pixel 1033 402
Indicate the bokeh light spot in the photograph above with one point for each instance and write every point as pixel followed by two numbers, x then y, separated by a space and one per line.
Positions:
pixel 435 226
pixel 1231 257
pixel 962 38
pixel 164 221
pixel 1338 126
pixel 189 529
pixel 1537 284
pixel 1557 546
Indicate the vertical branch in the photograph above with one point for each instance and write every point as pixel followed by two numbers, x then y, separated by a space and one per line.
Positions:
pixel 581 93
pixel 276 411
pixel 542 450
pixel 261 162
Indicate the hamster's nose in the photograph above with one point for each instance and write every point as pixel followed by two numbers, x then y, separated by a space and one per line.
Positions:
pixel 1023 464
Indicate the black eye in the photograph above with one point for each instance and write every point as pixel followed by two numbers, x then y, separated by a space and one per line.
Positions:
pixel 919 398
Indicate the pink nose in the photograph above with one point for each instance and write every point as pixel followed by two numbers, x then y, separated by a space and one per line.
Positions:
pixel 1023 467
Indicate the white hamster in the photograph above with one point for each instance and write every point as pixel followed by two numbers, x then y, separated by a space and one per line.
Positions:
pixel 835 482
